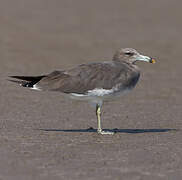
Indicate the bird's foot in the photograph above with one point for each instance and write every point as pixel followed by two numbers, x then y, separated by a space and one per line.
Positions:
pixel 100 131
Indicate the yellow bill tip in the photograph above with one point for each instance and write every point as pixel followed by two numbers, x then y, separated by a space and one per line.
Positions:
pixel 153 61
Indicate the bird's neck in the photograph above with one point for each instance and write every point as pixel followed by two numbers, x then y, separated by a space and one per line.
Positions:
pixel 124 62
pixel 130 65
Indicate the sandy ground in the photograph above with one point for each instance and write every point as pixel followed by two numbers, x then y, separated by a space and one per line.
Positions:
pixel 44 136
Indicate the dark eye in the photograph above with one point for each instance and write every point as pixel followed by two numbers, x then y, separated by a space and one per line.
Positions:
pixel 129 53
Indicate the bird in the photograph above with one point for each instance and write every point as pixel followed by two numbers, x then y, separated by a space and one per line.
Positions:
pixel 95 82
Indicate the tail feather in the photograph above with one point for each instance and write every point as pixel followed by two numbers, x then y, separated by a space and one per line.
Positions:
pixel 26 81
pixel 28 78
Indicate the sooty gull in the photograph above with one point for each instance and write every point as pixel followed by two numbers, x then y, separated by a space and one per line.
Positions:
pixel 95 82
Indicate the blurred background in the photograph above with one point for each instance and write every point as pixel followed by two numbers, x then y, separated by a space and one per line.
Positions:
pixel 66 32
pixel 39 36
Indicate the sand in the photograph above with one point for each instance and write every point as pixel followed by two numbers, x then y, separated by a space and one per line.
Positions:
pixel 44 136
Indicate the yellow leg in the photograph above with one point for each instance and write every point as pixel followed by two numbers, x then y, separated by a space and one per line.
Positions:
pixel 98 113
pixel 99 128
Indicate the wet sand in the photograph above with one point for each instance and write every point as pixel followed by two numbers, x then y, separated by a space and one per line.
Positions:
pixel 45 136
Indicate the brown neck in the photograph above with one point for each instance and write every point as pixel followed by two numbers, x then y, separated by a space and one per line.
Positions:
pixel 122 61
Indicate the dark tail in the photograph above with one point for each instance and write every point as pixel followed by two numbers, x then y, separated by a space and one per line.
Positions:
pixel 26 81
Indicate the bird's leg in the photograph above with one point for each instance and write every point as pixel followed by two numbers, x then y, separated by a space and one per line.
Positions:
pixel 98 114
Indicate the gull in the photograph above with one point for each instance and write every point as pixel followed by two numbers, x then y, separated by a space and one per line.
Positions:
pixel 95 82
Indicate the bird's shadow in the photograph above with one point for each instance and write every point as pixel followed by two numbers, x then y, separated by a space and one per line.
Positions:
pixel 131 131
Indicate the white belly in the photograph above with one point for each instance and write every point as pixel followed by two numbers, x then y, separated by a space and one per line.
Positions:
pixel 100 94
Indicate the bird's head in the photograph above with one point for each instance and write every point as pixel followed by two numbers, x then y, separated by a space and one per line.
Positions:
pixel 131 56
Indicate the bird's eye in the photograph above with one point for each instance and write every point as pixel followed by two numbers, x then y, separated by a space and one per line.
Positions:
pixel 129 53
